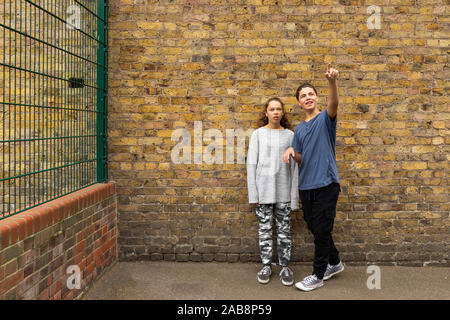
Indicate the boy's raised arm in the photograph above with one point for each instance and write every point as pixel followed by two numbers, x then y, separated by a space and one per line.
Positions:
pixel 333 96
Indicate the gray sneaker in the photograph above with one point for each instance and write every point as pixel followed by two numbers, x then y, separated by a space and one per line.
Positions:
pixel 309 283
pixel 333 270
pixel 287 276
pixel 264 274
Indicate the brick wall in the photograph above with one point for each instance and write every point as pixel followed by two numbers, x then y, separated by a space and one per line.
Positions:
pixel 216 61
pixel 40 247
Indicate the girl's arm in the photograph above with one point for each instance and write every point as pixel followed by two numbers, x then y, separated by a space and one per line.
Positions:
pixel 252 162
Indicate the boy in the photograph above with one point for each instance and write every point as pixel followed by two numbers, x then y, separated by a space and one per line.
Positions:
pixel 314 147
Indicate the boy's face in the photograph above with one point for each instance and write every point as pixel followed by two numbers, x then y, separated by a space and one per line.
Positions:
pixel 307 99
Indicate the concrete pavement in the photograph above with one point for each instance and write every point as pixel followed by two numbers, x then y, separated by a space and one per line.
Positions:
pixel 161 280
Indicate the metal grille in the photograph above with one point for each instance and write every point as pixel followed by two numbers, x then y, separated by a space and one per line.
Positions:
pixel 53 99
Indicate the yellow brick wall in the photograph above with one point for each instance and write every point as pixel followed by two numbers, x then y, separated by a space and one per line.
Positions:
pixel 176 62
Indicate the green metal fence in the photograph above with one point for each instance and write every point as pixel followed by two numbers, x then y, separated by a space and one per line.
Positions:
pixel 53 72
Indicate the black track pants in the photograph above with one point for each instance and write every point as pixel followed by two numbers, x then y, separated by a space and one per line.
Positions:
pixel 319 211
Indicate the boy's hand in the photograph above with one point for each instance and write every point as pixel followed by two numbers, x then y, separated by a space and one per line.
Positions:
pixel 289 152
pixel 331 73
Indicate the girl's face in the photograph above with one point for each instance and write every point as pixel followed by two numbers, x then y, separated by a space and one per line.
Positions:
pixel 274 112
pixel 307 98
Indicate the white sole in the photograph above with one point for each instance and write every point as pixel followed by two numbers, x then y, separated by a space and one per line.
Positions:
pixel 333 274
pixel 300 286
pixel 287 283
pixel 262 282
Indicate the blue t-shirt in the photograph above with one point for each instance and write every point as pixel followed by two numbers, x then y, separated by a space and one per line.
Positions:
pixel 316 141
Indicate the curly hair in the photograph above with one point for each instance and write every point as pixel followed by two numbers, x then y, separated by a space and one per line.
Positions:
pixel 284 122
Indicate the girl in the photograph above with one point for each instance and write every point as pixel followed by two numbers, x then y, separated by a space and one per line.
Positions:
pixel 273 186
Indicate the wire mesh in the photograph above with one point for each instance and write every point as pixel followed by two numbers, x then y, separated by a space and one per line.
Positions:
pixel 53 100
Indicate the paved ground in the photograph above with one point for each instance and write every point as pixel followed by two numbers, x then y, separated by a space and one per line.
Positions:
pixel 237 281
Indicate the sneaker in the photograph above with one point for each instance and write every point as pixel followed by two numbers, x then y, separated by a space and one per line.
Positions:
pixel 264 274
pixel 287 276
pixel 309 283
pixel 333 270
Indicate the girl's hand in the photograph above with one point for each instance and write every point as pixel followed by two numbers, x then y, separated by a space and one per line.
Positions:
pixel 289 152
pixel 331 73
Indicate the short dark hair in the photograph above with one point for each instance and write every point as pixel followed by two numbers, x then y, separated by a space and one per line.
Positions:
pixel 304 85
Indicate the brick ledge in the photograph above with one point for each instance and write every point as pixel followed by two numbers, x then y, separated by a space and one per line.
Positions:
pixel 26 223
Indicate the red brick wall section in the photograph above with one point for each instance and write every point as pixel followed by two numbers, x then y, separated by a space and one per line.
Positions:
pixel 39 246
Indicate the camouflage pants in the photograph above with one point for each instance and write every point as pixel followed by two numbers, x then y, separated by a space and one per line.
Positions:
pixel 283 222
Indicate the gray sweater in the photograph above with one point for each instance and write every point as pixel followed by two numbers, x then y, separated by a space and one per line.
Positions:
pixel 269 178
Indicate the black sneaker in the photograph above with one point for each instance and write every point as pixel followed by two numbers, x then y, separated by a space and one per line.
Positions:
pixel 264 274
